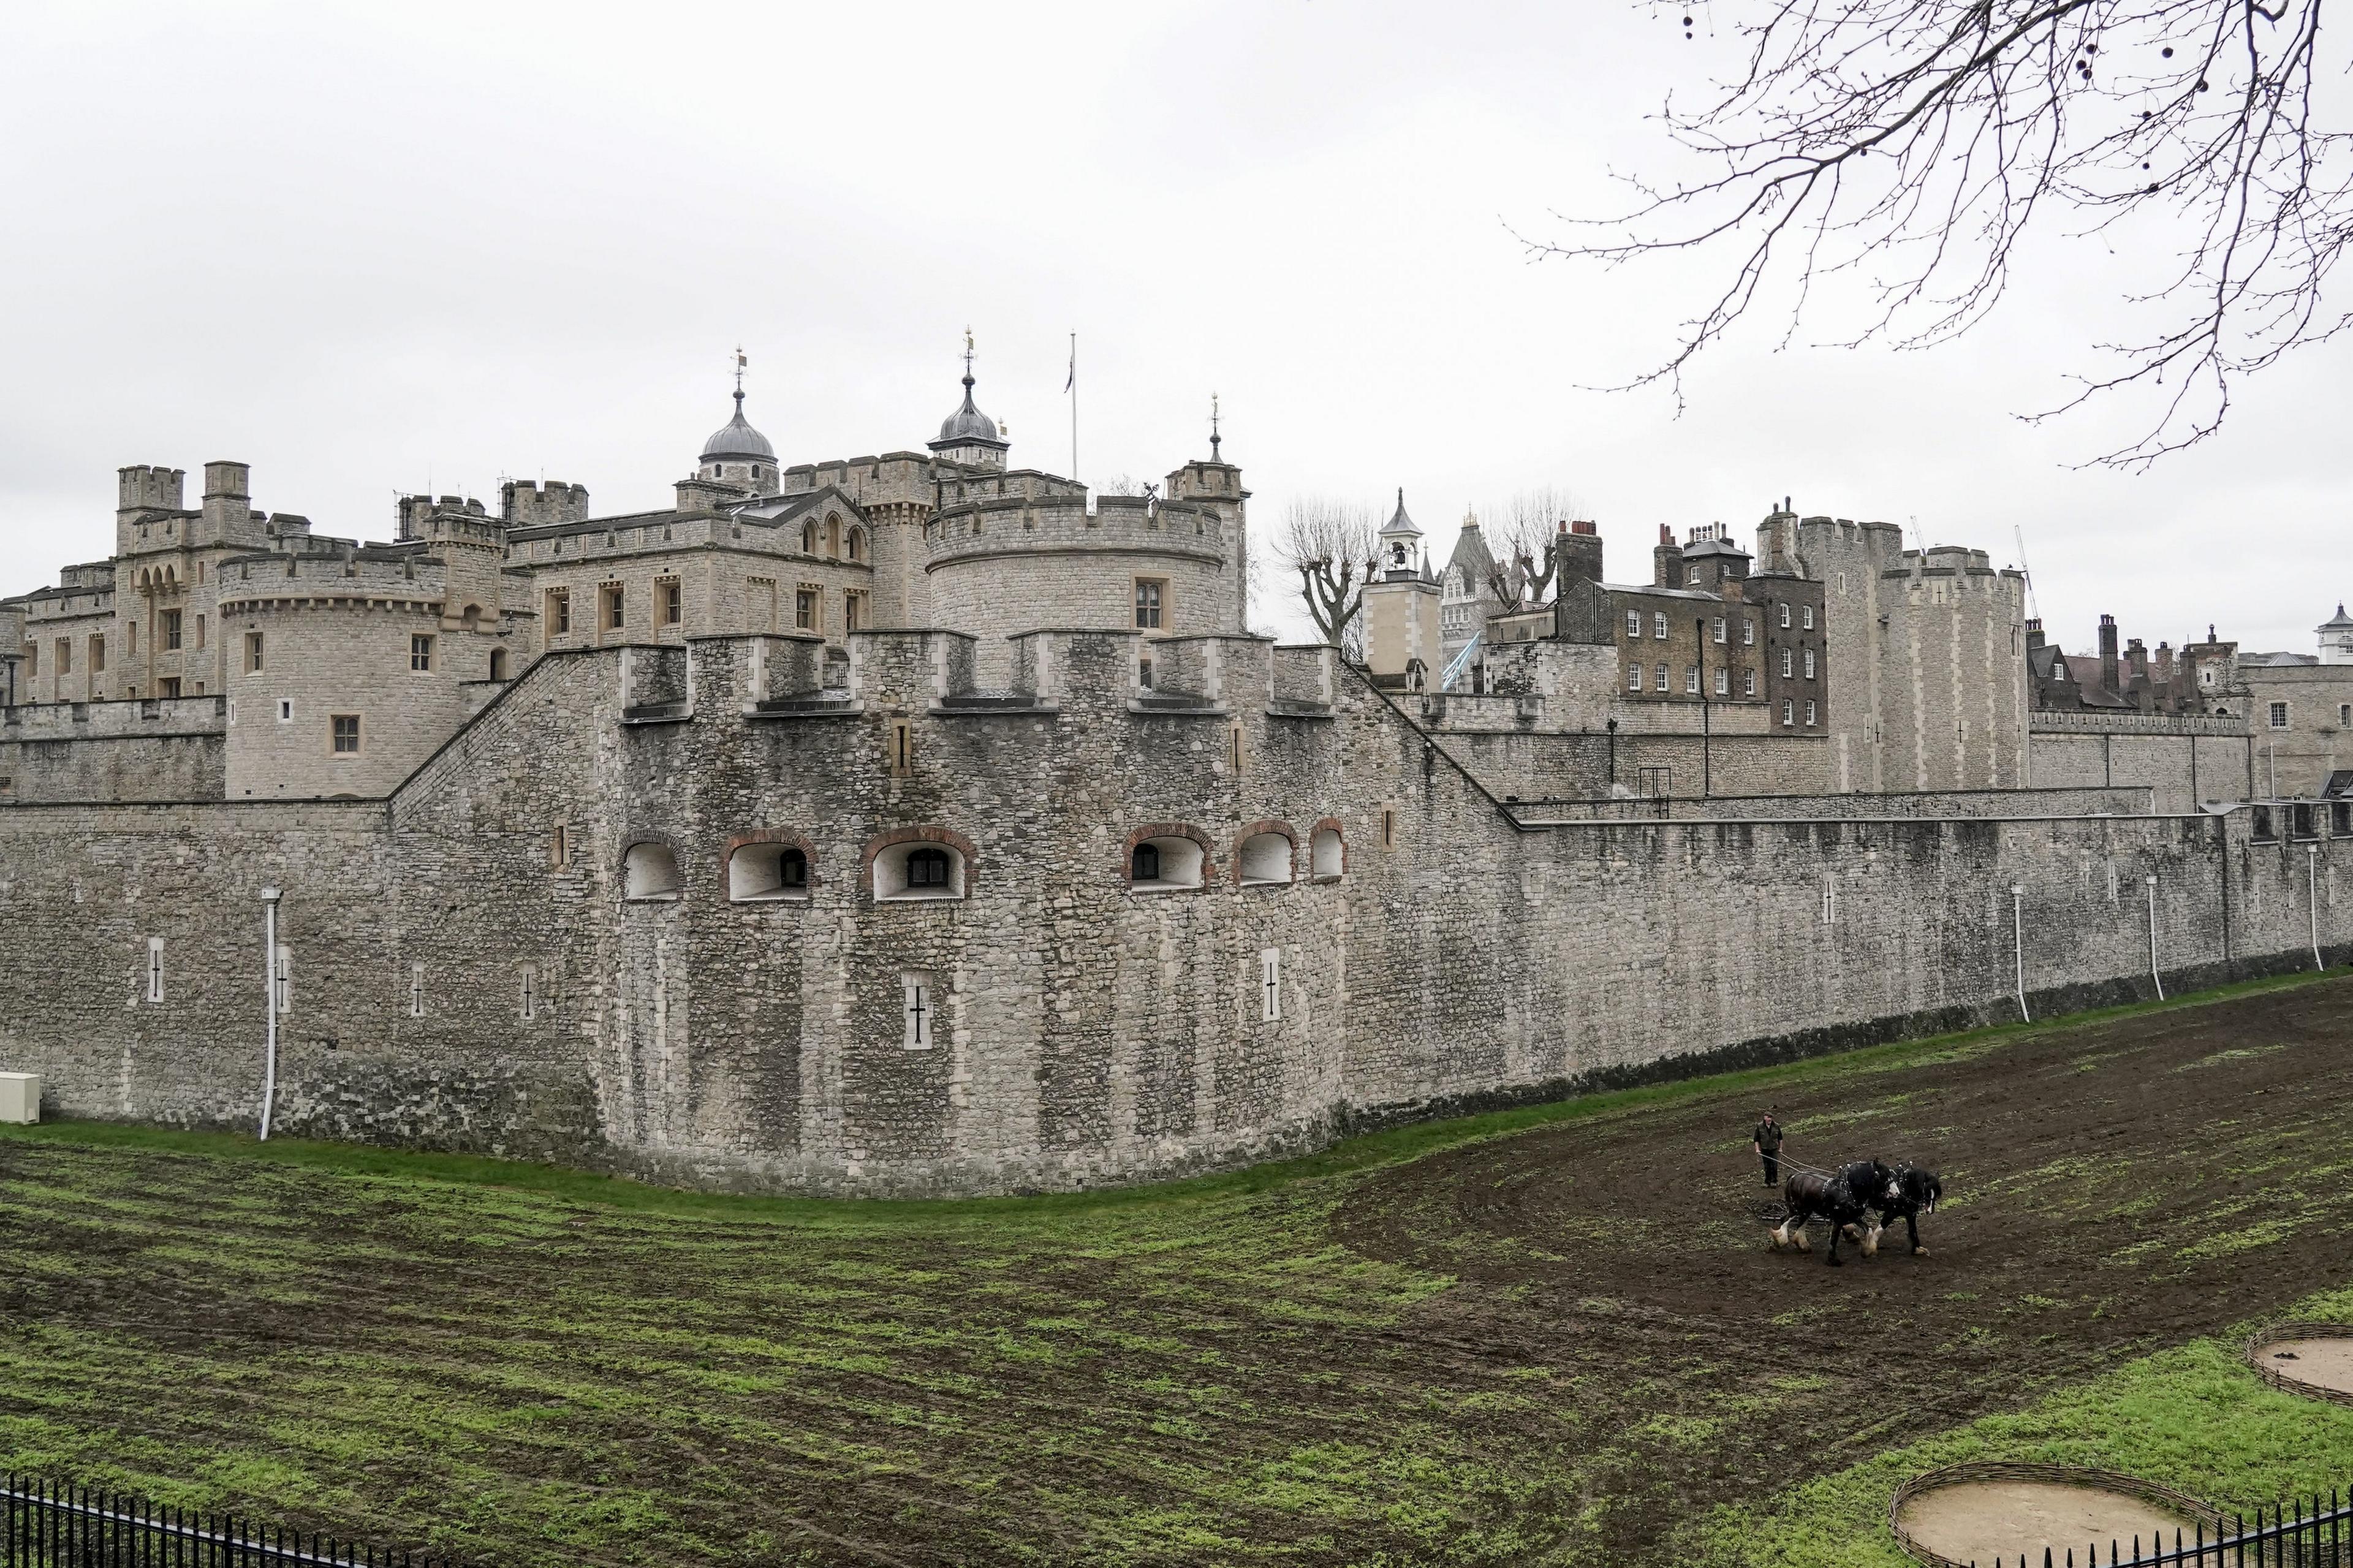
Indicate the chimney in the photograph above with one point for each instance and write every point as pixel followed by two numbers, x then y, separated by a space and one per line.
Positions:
pixel 2034 633
pixel 2109 654
pixel 1580 556
pixel 1667 560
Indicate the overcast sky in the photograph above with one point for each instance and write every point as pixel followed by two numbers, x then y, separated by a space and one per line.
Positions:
pixel 370 248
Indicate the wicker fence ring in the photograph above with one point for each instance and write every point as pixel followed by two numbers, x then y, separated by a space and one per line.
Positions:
pixel 2138 1504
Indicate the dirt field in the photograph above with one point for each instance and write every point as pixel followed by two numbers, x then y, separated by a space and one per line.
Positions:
pixel 1568 1344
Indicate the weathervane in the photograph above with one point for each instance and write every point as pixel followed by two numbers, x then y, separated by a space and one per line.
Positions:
pixel 1213 427
pixel 967 357
pixel 740 363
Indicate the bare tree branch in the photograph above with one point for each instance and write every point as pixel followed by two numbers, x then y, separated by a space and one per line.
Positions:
pixel 1334 546
pixel 1523 536
pixel 1918 144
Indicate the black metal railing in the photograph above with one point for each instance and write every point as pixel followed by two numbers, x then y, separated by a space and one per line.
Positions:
pixel 56 1524
pixel 2315 1533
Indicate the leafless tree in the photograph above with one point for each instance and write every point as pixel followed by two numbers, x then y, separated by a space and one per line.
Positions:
pixel 1334 546
pixel 1521 535
pixel 1919 144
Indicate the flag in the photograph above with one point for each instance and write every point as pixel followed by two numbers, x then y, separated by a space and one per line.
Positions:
pixel 740 361
pixel 1073 379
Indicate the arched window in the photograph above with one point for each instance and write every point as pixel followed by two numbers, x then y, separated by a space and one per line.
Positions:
pixel 767 872
pixel 833 534
pixel 1327 855
pixel 1266 860
pixel 648 871
pixel 498 664
pixel 919 870
pixel 858 544
pixel 1164 864
pixel 808 537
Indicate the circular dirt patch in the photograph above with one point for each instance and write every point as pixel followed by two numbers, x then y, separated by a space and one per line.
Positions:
pixel 1976 1513
pixel 2311 1359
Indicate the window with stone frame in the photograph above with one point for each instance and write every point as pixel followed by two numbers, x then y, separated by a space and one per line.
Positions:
pixel 1809 710
pixel 1691 678
pixel 612 601
pixel 853 610
pixel 253 655
pixel 808 607
pixel 1633 677
pixel 1789 663
pixel 97 653
pixel 1809 618
pixel 760 604
pixel 1749 683
pixel 2279 715
pixel 1719 630
pixel 1723 682
pixel 1810 664
pixel 669 600
pixel 171 685
pixel 1748 631
pixel 343 734
pixel 1663 678
pixel 559 612
pixel 171 630
pixel 1659 623
pixel 420 652
pixel 1789 712
pixel 65 656
pixel 1150 592
pixel 1634 623
pixel 1785 617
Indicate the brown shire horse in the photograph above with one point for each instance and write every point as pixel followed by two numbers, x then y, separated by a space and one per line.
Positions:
pixel 1844 1198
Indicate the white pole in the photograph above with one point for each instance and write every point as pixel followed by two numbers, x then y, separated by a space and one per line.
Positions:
pixel 2312 898
pixel 269 995
pixel 2018 946
pixel 2153 972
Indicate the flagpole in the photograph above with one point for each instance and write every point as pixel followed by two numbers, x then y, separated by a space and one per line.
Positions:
pixel 1073 389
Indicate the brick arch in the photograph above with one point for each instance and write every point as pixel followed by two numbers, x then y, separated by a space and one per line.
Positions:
pixel 1323 823
pixel 1169 830
pixel 927 835
pixel 767 836
pixel 1250 830
pixel 661 841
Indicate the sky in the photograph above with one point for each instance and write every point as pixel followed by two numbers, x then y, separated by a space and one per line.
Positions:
pixel 375 249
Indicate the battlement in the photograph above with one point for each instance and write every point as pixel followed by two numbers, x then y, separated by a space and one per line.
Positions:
pixel 413 513
pixel 525 504
pixel 872 480
pixel 1008 524
pixel 87 575
pixel 141 716
pixel 148 487
pixel 247 582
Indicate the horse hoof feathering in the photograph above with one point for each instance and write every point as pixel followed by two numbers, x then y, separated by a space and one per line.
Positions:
pixel 1919 1252
pixel 1917 1191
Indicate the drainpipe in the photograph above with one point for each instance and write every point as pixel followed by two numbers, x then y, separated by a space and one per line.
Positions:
pixel 2017 946
pixel 2312 898
pixel 269 995
pixel 2153 972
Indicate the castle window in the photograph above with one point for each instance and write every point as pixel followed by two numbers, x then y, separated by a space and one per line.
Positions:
pixel 1663 678
pixel 808 537
pixel 1634 623
pixel 2279 715
pixel 1723 682
pixel 1789 712
pixel 1270 984
pixel 1633 677
pixel 171 629
pixel 286 711
pixel 200 631
pixel 833 535
pixel 1144 673
pixel 171 684
pixel 1148 593
pixel 2260 830
pixel 1809 710
pixel 130 631
pixel 1657 623
pixel 648 871
pixel 1749 683
pixel 758 873
pixel 1785 617
pixel 1691 678
pixel 1169 864
pixel 343 734
pixel 416 991
pixel 918 870
pixel 858 544
pixel 97 653
pixel 2344 709
pixel 530 992
pixel 1810 664
pixel 559 847
pixel 1266 860
pixel 283 981
pixel 1719 628
pixel 559 612
pixel 1809 617
pixel 613 607
pixel 670 599
pixel 420 652
pixel 154 969
pixel 32 660
pixel 1327 855
pixel 1691 577
pixel 853 611
pixel 1748 631
pixel 916 990
pixel 1389 826
pixel 804 608
pixel 498 664
pixel 2340 817
pixel 253 653
pixel 65 656
pixel 1788 662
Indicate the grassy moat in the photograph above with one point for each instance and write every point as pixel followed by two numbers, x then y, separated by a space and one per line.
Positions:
pixel 1553 1336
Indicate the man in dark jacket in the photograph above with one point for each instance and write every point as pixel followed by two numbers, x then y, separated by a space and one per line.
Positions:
pixel 1766 1142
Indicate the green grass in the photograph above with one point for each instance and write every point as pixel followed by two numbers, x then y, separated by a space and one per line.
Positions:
pixel 526 1365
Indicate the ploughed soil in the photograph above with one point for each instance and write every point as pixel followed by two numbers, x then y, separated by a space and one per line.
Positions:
pixel 2109 1190
pixel 1564 1345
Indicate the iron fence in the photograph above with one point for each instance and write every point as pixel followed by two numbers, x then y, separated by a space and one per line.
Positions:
pixel 55 1525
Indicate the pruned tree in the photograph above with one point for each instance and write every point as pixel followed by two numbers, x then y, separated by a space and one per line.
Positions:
pixel 1334 546
pixel 1920 145
pixel 1522 536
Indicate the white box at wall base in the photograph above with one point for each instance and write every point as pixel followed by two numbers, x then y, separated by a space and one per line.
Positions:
pixel 20 1097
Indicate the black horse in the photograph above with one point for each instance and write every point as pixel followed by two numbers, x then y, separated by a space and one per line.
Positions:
pixel 1844 1198
pixel 1916 1192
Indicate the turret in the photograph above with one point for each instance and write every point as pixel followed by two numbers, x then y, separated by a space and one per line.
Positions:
pixel 968 436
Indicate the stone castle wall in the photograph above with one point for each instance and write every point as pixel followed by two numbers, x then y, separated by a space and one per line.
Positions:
pixel 467 970
pixel 2186 764
pixel 155 748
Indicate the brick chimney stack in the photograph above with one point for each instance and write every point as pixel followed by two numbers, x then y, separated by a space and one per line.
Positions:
pixel 2108 674
pixel 1667 560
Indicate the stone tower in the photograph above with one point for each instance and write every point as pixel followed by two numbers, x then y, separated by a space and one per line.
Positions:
pixel 1402 640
